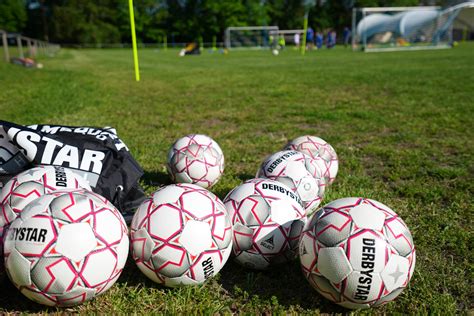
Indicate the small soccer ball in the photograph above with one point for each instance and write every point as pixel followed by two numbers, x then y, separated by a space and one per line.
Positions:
pixel 275 52
pixel 301 173
pixel 267 219
pixel 319 150
pixel 181 236
pixel 357 253
pixel 195 159
pixel 27 186
pixel 66 247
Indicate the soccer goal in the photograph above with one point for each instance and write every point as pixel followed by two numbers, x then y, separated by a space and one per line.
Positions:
pixel 292 37
pixel 250 37
pixel 402 28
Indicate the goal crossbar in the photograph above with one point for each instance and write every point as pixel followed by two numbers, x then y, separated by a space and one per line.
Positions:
pixel 282 32
pixel 393 9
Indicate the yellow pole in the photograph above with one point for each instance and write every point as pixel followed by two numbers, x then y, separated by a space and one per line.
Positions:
pixel 134 40
pixel 305 28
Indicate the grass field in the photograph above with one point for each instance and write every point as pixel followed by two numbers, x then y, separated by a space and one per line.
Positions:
pixel 401 123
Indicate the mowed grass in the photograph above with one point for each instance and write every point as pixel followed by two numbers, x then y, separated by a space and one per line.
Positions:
pixel 401 123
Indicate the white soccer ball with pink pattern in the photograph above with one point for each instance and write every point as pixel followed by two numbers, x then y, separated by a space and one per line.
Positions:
pixel 301 173
pixel 181 236
pixel 195 159
pixel 267 218
pixel 357 253
pixel 319 150
pixel 27 186
pixel 66 247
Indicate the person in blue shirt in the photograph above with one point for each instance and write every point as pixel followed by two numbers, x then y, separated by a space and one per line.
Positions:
pixel 309 38
pixel 331 39
pixel 346 34
pixel 319 40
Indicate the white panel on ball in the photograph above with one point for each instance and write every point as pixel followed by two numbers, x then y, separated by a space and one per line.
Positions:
pixel 43 275
pixel 244 191
pixel 395 272
pixel 196 237
pixel 333 264
pixel 75 241
pixel 142 244
pixel 19 272
pixel 367 216
pixel 171 261
pixel 164 221
pixel 103 261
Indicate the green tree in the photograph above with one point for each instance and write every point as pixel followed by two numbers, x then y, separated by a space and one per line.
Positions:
pixel 218 15
pixel 78 21
pixel 13 15
pixel 286 14
pixel 150 20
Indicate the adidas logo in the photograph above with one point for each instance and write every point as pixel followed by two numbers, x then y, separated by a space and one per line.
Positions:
pixel 268 243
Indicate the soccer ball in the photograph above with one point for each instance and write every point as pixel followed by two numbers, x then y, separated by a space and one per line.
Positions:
pixel 33 183
pixel 267 218
pixel 196 159
pixel 181 236
pixel 27 186
pixel 66 247
pixel 275 52
pixel 357 253
pixel 299 172
pixel 320 150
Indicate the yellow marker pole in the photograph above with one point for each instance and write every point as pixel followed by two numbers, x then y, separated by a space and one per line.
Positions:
pixel 134 40
pixel 305 29
pixel 214 43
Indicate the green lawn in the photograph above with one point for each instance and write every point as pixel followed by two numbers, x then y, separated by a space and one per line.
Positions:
pixel 401 123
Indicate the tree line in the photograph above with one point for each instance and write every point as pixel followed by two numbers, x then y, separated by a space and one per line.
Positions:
pixel 107 21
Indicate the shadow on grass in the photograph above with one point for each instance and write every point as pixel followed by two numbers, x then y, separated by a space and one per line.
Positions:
pixel 16 302
pixel 245 176
pixel 156 178
pixel 222 191
pixel 132 275
pixel 284 282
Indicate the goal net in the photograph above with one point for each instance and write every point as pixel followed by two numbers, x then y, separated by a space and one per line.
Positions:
pixel 250 37
pixel 402 28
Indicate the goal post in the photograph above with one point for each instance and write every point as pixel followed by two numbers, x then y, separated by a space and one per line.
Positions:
pixel 250 37
pixel 402 28
pixel 4 42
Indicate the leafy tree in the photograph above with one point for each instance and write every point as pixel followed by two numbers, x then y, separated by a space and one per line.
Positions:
pixel 12 15
pixel 287 14
pixel 150 20
pixel 85 22
pixel 218 15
